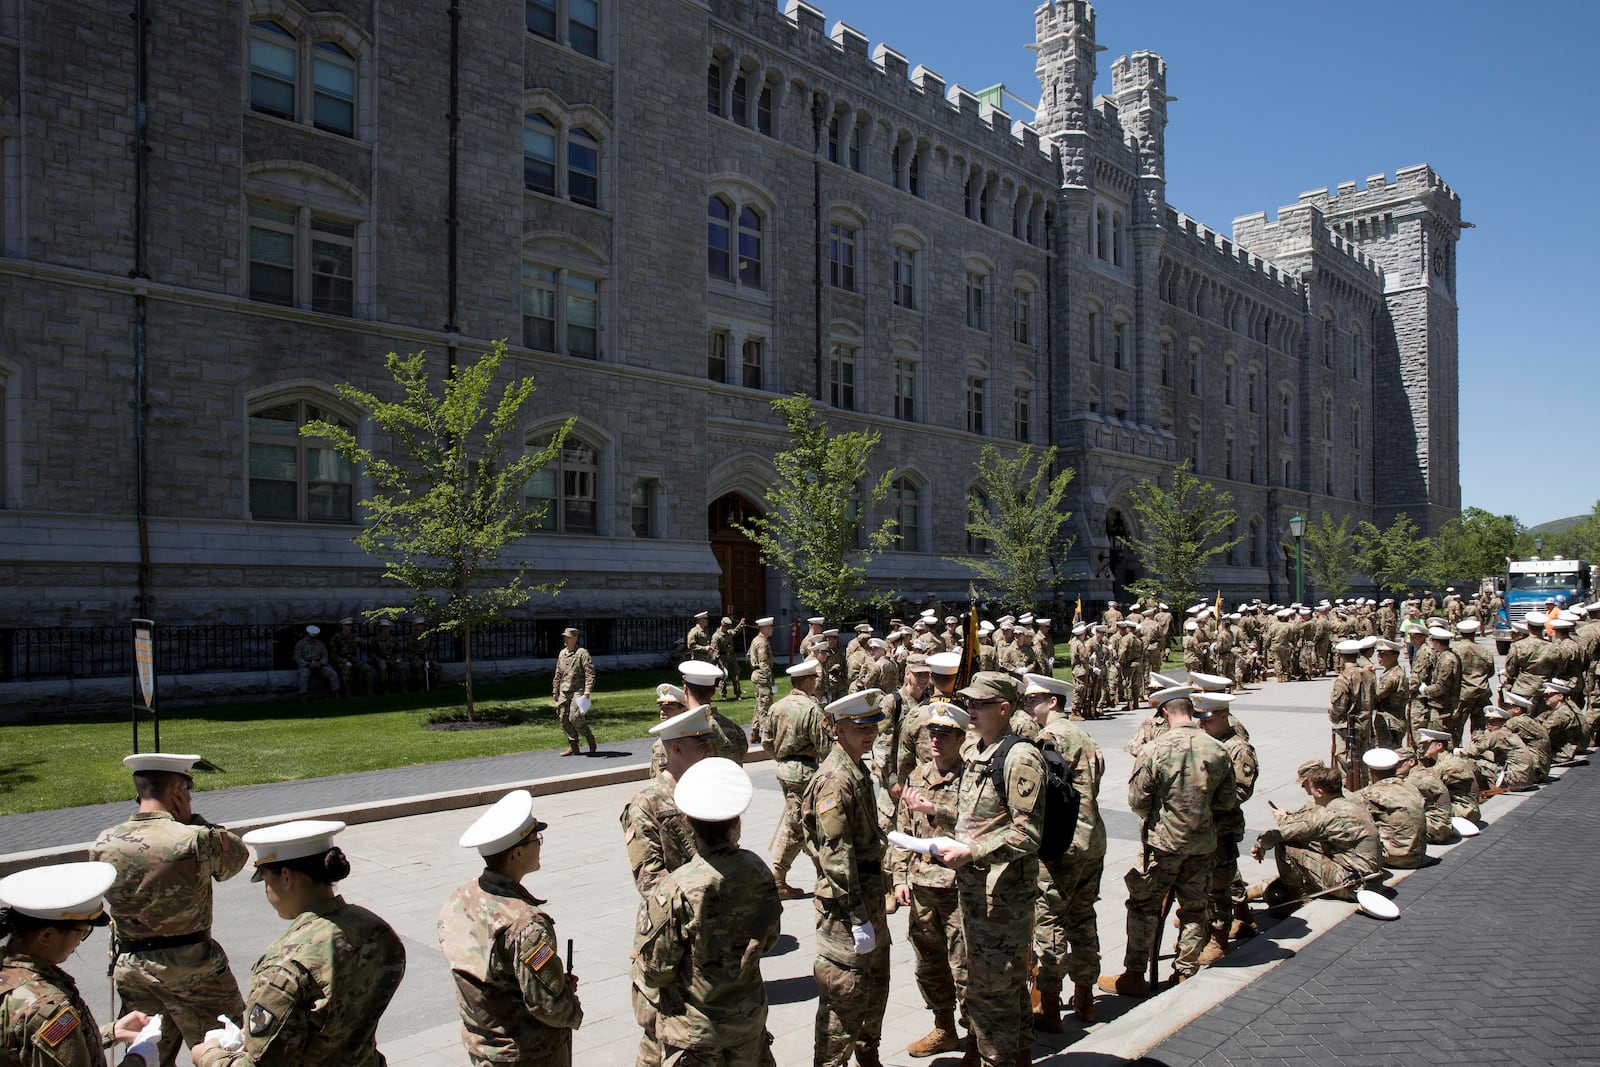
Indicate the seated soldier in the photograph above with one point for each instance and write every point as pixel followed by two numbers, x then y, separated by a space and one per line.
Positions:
pixel 1535 734
pixel 1501 757
pixel 1435 797
pixel 1398 809
pixel 1459 774
pixel 1567 737
pixel 1331 842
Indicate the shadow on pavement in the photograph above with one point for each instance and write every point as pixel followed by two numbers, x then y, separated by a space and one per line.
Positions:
pixel 606 753
pixel 785 944
pixel 792 990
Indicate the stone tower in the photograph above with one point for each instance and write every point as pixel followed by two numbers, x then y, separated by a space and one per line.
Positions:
pixel 1064 33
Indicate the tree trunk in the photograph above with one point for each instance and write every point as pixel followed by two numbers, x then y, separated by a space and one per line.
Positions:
pixel 466 659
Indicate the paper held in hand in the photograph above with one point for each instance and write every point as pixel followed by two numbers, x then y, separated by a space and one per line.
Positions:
pixel 928 846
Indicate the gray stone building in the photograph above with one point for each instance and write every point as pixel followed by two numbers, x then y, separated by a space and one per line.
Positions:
pixel 674 210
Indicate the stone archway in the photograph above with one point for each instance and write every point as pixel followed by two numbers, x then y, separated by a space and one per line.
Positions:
pixel 1122 563
pixel 743 581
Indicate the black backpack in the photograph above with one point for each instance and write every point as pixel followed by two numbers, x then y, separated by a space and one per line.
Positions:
pixel 1060 798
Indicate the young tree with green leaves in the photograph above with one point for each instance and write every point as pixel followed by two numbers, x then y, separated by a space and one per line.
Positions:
pixel 1184 528
pixel 450 494
pixel 1395 557
pixel 1472 547
pixel 814 531
pixel 1019 521
pixel 1330 555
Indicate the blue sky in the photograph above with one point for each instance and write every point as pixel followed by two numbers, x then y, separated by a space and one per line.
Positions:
pixel 1278 98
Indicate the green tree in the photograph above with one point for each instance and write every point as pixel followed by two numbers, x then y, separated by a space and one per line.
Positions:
pixel 1471 547
pixel 1581 540
pixel 451 495
pixel 1395 557
pixel 1021 524
pixel 1330 555
pixel 814 530
pixel 1184 528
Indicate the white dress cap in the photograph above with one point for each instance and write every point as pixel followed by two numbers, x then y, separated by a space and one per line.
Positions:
pixel 803 668
pixel 764 621
pixel 1348 647
pixel 1168 679
pixel 1044 683
pixel 1381 759
pixel 1438 633
pixel 667 693
pixel 507 822
pixel 176 763
pixel 1041 622
pixel 1209 683
pixel 1469 626
pixel 1161 696
pixel 816 620
pixel 945 663
pixel 702 614
pixel 696 722
pixel 1207 704
pixel 1433 735
pixel 1368 642
pixel 985 627
pixel 859 707
pixel 292 840
pixel 697 673
pixel 714 790
pixel 1495 711
pixel 948 715
pixel 60 892
pixel 313 630
pixel 1518 700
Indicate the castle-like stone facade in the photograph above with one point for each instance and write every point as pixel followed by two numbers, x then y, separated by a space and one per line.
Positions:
pixel 674 210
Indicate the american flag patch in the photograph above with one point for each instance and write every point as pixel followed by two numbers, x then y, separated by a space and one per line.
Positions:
pixel 56 1030
pixel 540 956
pixel 828 805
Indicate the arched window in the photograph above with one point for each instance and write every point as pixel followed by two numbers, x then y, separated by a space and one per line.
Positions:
pixel 566 487
pixel 1328 334
pixel 1358 353
pixel 583 168
pixel 905 497
pixel 914 174
pixel 1286 417
pixel 719 222
pixel 294 478
pixel 278 86
pixel 750 222
pixel 714 87
pixel 545 144
pixel 977 506
pixel 539 154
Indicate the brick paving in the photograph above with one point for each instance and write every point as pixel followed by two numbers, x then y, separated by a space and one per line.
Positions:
pixel 1493 961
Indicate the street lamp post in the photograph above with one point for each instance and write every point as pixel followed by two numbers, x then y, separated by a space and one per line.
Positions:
pixel 1297 527
pixel 1538 545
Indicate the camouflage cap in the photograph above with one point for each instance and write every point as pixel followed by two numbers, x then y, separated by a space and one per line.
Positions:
pixel 992 685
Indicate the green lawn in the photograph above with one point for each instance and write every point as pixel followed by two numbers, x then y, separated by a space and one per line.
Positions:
pixel 77 762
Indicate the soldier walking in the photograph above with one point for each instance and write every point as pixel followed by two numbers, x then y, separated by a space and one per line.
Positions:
pixel 574 678
pixel 760 657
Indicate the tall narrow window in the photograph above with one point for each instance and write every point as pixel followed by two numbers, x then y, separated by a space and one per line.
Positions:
pixel 737 110
pixel 714 87
pixel 1327 340
pixel 1227 384
pixel 914 174
pixel 583 317
pixel 333 266
pixel 1255 542
pixel 1358 354
pixel 905 390
pixel 753 357
pixel 1166 362
pixel 1227 458
pixel 975 300
pixel 583 168
pixel 907 514
pixel 539 308
pixel 1194 373
pixel 977 507
pixel 1254 467
pixel 1020 406
pixel 1022 316
pixel 905 277
pixel 1119 343
pixel 539 154
pixel 975 391
pixel 1116 239
pixel 641 507
pixel 842 257
pixel 1094 337
pixel 750 247
pixel 1250 390
pixel 842 376
pixel 273 62
pixel 855 148
pixel 971 203
pixel 764 110
pixel 333 103
pixel 895 177
pixel 1102 234
pixel 294 478
pixel 1327 418
pixel 833 139
pixel 717 355
pixel 1285 416
pixel 542 18
pixel 271 254
pixel 719 221
pixel 583 26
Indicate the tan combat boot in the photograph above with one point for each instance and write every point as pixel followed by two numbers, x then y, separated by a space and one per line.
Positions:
pixel 1127 984
pixel 1047 1016
pixel 942 1038
pixel 785 890
pixel 572 748
pixel 1083 1001
pixel 1216 945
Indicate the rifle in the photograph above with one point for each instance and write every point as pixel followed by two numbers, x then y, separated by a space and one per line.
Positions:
pixel 1155 947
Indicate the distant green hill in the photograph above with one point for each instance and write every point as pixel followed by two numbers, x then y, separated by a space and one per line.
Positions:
pixel 1557 525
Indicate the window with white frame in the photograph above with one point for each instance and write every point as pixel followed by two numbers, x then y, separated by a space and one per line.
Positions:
pixel 546 144
pixel 575 23
pixel 905 498
pixel 295 478
pixel 905 277
pixel 752 361
pixel 1119 343
pixel 975 404
pixel 735 233
pixel 1166 361
pixel 560 311
pixel 1022 316
pixel 975 285
pixel 279 61
pixel 842 256
pixel 717 355
pixel 842 375
pixel 301 259
pixel 566 487
pixel 1021 406
pixel 905 390
pixel 642 506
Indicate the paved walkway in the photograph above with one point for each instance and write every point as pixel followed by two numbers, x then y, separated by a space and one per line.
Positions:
pixel 1494 960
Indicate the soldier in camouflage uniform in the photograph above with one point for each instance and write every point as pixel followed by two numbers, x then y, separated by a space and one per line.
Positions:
pixel 1438 688
pixel 1568 739
pixel 1534 734
pixel 727 657
pixel 1389 697
pixel 801 737
pixel 1477 668
pixel 700 682
pixel 1350 706
pixel 1398 809
pixel 928 888
pixel 385 655
pixel 1211 709
pixel 1502 758
pixel 699 638
pixel 704 929
pixel 517 1007
pixel 318 992
pixel 840 815
pixel 346 649
pixel 310 654
pixel 45 914
pixel 1459 774
pixel 166 858
pixel 659 841
pixel 1435 797
pixel 1328 843
pixel 1182 782
pixel 761 677
pixel 574 677
pixel 997 870
pixel 1069 885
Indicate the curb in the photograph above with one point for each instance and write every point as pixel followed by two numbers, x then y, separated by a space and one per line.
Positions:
pixel 381 810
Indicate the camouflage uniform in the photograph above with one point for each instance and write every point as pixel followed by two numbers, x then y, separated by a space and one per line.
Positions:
pixel 1389 696
pixel 801 738
pixel 385 655
pixel 1436 709
pixel 1477 667
pixel 1322 846
pixel 702 934
pixel 346 649
pixel 310 654
pixel 1132 652
pixel 1567 740
pixel 840 815
pixel 1435 803
pixel 574 677
pixel 760 656
pixel 1529 665
pixel 1181 783
pixel 517 1006
pixel 996 892
pixel 659 841
pixel 1401 815
pixel 699 642
pixel 163 894
pixel 1460 778
pixel 1069 885
pixel 1350 705
pixel 35 996
pixel 728 740
pixel 317 993
pixel 1497 750
pixel 1536 736
pixel 935 914
pixel 1230 832
pixel 728 659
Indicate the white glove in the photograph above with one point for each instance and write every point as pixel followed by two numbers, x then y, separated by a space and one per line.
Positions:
pixel 147 1045
pixel 227 1036
pixel 865 939
pixel 1422 690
